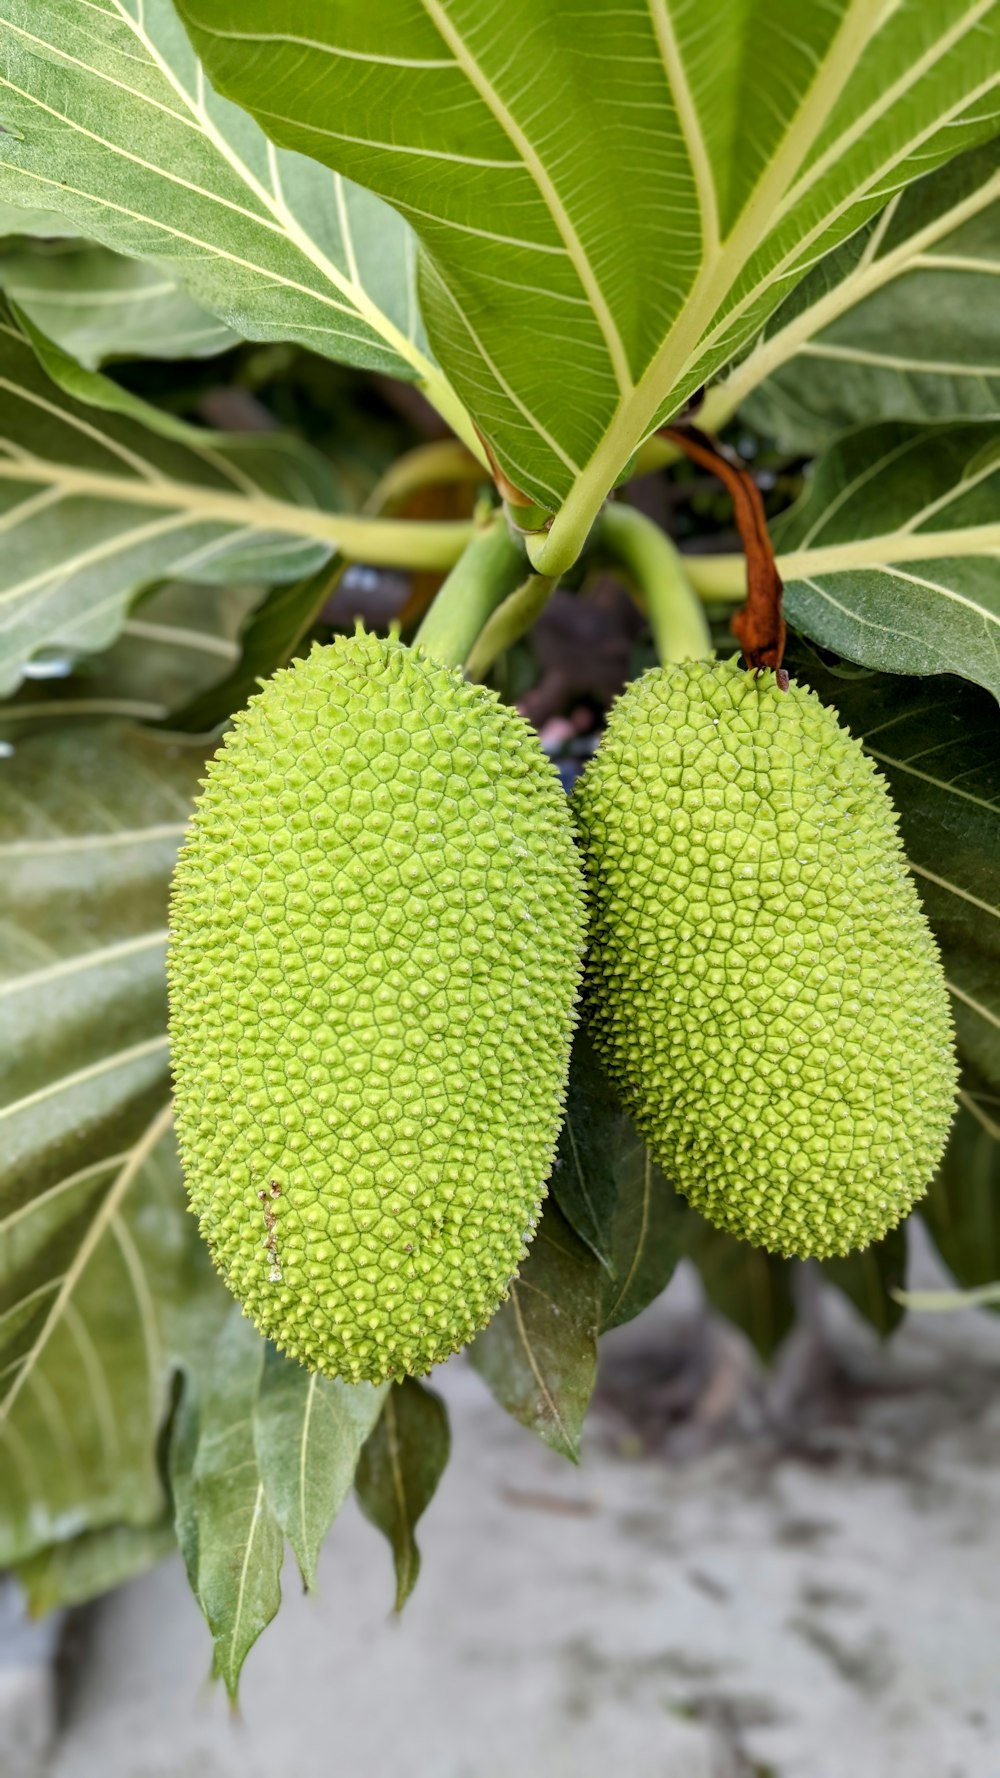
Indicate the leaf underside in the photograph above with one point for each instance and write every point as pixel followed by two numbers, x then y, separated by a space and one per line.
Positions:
pixel 98 305
pixel 890 557
pixel 96 505
pixel 901 321
pixel 572 323
pixel 108 119
pixel 102 1275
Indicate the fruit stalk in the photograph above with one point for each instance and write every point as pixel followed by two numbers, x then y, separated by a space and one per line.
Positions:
pixel 760 625
pixel 490 568
pixel 509 622
pixel 656 569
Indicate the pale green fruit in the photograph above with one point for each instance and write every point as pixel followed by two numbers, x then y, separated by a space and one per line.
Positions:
pixel 763 985
pixel 376 938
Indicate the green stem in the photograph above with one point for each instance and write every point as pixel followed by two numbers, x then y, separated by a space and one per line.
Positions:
pixel 680 629
pixel 430 465
pixel 724 577
pixel 400 543
pixel 384 543
pixel 719 578
pixel 490 568
pixel 509 622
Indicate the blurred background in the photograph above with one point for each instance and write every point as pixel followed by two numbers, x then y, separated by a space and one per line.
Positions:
pixel 782 1572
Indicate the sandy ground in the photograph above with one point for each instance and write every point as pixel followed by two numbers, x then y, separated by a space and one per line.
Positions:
pixel 791 1577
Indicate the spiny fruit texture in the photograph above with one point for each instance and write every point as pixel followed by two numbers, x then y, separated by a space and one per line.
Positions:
pixel 763 986
pixel 377 925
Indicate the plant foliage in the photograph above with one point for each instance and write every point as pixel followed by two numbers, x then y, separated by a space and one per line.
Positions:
pixel 562 223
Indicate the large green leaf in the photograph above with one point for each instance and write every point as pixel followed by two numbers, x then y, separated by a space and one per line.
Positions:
pixel 753 1289
pixel 962 1209
pixel 269 640
pixel 938 744
pixel 103 1281
pixel 583 1177
pixel 613 1195
pixel 92 1268
pixel 98 305
pixel 93 506
pixel 611 200
pixel 101 495
pixel 16 219
pixel 308 1434
pixel 175 645
pixel 890 557
pixel 105 116
pixel 900 322
pixel 83 1568
pixel 400 1468
pixel 539 1353
pixel 872 1277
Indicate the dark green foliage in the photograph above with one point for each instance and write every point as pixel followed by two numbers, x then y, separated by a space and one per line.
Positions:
pixel 539 1353
pixel 398 1472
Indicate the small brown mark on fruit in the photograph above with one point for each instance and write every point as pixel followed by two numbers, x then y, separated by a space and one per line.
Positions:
pixel 270 1242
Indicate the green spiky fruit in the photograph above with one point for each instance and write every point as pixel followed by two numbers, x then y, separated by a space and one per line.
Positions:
pixel 376 934
pixel 763 985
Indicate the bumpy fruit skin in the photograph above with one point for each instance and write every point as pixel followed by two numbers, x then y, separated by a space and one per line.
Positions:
pixel 763 985
pixel 376 938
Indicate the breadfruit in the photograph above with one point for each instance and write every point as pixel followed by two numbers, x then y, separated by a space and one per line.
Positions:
pixel 375 952
pixel 763 987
